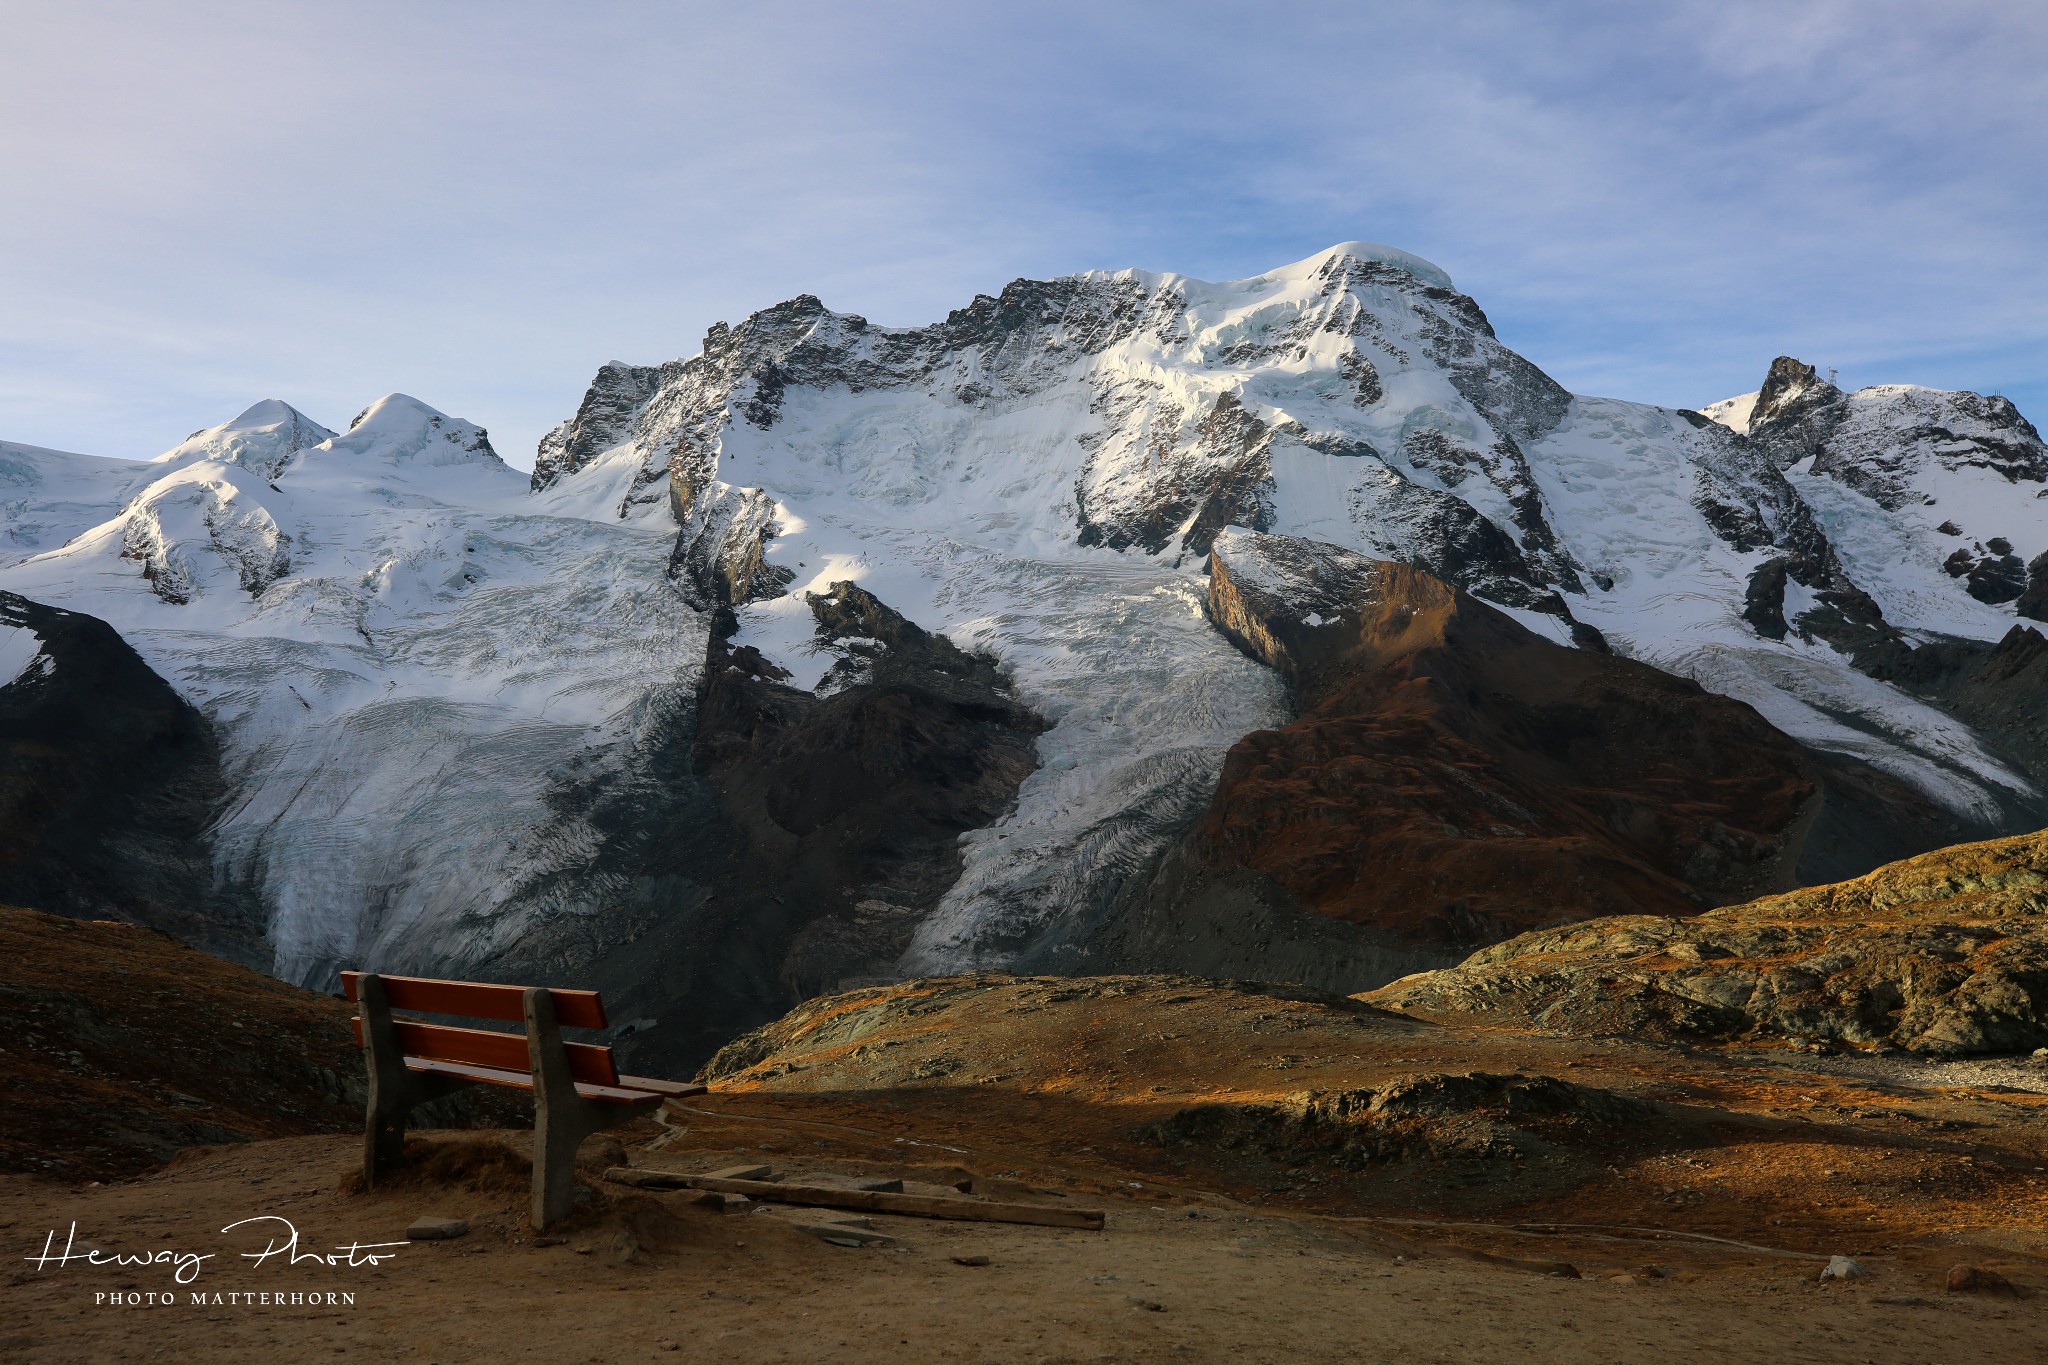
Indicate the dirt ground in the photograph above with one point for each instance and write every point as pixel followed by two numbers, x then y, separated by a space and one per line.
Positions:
pixel 657 1277
pixel 1668 1204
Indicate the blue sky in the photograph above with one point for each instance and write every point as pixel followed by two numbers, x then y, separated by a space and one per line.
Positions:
pixel 478 203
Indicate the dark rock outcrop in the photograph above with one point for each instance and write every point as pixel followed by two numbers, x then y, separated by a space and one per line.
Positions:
pixel 1943 954
pixel 2033 603
pixel 849 803
pixel 803 836
pixel 1744 496
pixel 1998 689
pixel 109 781
pixel 1795 412
pixel 602 420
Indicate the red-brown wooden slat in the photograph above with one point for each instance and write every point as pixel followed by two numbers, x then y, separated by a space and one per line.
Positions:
pixel 478 1000
pixel 523 1080
pixel 504 1051
pixel 673 1089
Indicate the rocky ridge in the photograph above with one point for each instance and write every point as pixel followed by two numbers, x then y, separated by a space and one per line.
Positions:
pixel 1961 479
pixel 1945 954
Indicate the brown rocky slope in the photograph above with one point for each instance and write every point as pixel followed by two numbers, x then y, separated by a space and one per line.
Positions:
pixel 119 1047
pixel 1455 778
pixel 1941 954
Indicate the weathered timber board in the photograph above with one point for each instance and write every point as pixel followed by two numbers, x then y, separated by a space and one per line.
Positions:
pixel 876 1201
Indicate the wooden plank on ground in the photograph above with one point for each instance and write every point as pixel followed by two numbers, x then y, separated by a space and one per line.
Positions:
pixel 875 1201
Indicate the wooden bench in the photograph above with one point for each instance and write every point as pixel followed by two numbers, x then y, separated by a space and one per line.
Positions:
pixel 577 1088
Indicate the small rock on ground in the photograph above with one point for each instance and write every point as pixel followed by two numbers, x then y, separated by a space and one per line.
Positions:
pixel 436 1229
pixel 720 1202
pixel 1970 1279
pixel 845 1234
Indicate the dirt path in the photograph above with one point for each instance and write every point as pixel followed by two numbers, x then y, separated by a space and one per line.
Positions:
pixel 646 1276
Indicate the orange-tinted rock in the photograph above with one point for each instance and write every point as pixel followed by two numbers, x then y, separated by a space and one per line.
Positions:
pixel 1455 778
pixel 1970 1279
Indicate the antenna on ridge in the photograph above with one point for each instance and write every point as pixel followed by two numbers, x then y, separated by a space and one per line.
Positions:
pixel 1831 378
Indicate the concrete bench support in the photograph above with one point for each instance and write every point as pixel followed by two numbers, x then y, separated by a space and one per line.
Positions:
pixel 561 1117
pixel 395 1089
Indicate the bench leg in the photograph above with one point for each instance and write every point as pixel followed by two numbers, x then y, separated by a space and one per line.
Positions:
pixel 556 1136
pixel 394 1089
pixel 384 1114
pixel 561 1117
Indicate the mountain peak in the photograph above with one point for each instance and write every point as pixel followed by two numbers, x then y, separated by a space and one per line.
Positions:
pixel 1788 381
pixel 1375 252
pixel 401 428
pixel 263 439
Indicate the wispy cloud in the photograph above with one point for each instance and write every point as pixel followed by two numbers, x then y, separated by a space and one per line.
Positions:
pixel 478 203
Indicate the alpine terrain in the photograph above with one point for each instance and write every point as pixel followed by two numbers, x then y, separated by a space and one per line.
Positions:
pixel 1291 626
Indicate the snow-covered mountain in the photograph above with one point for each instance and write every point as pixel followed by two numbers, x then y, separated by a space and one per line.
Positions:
pixel 973 473
pixel 1936 501
pixel 458 707
pixel 405 654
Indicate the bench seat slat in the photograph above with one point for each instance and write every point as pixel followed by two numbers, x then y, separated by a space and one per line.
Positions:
pixel 522 1080
pixel 672 1089
pixel 504 1051
pixel 480 1000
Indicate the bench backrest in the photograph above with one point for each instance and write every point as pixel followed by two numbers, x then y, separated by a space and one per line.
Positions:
pixel 588 1062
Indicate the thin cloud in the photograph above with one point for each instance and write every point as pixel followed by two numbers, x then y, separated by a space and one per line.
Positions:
pixel 479 203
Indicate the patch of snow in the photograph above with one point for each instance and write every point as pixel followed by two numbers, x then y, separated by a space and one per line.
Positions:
pixel 1734 413
pixel 785 631
pixel 20 647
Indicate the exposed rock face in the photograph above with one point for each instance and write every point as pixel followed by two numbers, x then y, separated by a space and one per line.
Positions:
pixel 1878 439
pixel 108 783
pixel 1998 688
pixel 810 831
pixel 720 554
pixel 1795 412
pixel 1742 494
pixel 612 400
pixel 1942 954
pixel 1165 466
pixel 803 835
pixel 2033 603
pixel 850 802
pixel 1454 778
